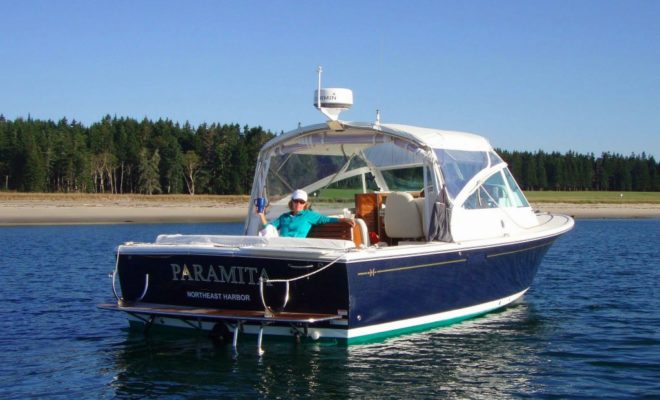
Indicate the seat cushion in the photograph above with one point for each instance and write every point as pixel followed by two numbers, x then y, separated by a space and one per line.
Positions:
pixel 402 217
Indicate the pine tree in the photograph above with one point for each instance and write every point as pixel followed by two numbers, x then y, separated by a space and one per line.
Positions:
pixel 191 164
pixel 542 177
pixel 149 174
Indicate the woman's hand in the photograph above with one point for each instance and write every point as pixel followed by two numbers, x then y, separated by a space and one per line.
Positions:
pixel 349 221
pixel 262 216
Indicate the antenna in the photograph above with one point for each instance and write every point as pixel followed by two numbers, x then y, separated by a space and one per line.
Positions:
pixel 319 70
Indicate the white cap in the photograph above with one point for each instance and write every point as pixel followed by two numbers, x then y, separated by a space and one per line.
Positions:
pixel 299 195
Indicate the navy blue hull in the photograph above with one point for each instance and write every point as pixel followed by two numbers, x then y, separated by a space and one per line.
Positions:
pixel 231 283
pixel 369 292
pixel 396 289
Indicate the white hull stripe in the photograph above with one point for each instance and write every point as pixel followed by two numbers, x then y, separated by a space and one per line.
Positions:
pixel 434 318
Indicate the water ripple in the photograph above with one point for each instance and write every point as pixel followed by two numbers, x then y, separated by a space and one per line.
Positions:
pixel 588 328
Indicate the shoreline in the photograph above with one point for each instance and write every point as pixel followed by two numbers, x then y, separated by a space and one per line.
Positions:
pixel 602 210
pixel 71 212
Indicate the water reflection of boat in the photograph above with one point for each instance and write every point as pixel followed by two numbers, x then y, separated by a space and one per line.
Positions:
pixel 486 357
pixel 490 356
pixel 443 234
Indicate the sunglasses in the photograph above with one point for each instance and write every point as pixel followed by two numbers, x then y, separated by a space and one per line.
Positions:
pixel 299 201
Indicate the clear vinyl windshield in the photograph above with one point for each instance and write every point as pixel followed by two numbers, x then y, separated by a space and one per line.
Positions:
pixel 459 167
pixel 497 190
pixel 327 178
pixel 336 179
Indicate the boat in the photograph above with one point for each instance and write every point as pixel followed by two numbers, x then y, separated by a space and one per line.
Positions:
pixel 442 233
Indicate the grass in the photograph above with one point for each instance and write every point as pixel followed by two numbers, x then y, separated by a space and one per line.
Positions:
pixel 334 195
pixel 588 197
pixel 329 195
pixel 577 197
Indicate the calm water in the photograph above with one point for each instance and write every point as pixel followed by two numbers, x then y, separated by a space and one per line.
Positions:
pixel 589 327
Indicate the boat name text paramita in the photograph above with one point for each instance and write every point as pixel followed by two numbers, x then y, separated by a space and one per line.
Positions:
pixel 234 274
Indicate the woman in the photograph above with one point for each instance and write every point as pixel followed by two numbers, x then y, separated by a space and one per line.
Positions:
pixel 300 219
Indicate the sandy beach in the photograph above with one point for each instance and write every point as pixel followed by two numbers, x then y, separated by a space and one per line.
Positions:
pixel 601 210
pixel 110 210
pixel 49 211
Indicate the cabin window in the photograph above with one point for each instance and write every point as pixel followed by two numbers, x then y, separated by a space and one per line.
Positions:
pixel 459 166
pixel 500 190
pixel 343 191
pixel 491 194
pixel 328 178
pixel 517 197
pixel 295 171
pixel 405 179
pixel 494 158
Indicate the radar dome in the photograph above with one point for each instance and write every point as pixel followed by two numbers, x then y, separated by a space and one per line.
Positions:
pixel 332 101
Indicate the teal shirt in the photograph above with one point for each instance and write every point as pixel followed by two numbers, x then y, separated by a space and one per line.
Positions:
pixel 299 225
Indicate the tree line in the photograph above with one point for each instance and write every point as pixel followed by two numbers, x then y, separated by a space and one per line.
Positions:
pixel 573 171
pixel 124 155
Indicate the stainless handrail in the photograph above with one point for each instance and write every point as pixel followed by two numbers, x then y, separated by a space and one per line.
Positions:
pixel 114 286
pixel 269 311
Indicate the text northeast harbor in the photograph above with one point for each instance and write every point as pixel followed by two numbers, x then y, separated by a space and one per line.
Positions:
pixel 218 296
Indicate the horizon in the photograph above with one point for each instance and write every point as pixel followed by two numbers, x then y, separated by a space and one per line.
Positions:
pixel 551 75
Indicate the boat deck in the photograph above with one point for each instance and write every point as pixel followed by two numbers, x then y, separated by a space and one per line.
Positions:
pixel 233 317
pixel 218 314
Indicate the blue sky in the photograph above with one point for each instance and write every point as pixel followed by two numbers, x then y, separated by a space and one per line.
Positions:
pixel 556 75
